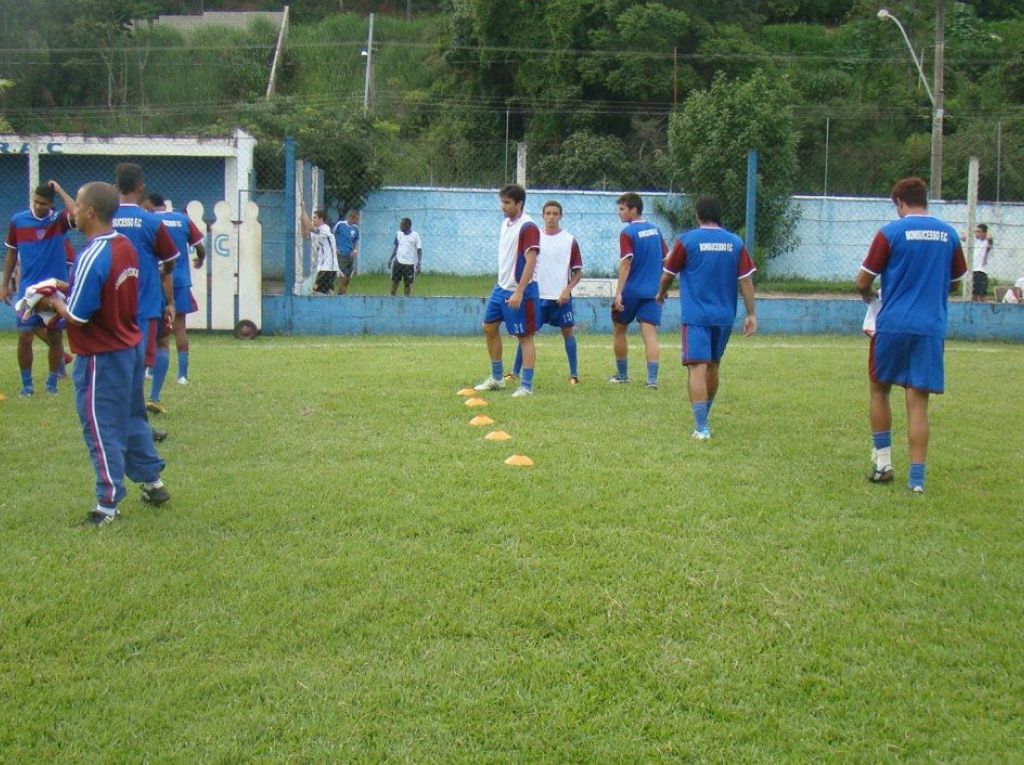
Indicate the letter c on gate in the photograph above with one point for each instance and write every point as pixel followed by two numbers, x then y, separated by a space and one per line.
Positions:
pixel 220 245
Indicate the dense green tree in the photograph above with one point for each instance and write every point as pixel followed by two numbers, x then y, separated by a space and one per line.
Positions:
pixel 709 141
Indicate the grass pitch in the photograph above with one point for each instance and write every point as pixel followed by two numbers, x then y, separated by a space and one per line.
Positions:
pixel 348 572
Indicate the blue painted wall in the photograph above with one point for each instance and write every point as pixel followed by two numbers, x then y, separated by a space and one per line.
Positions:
pixel 354 315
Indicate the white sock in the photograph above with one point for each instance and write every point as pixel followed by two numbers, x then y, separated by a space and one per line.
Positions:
pixel 883 458
pixel 154 484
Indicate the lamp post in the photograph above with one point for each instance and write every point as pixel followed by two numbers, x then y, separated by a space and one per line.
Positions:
pixel 368 85
pixel 936 96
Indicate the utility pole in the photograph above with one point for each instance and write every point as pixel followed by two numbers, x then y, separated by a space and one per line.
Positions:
pixel 939 100
pixel 369 69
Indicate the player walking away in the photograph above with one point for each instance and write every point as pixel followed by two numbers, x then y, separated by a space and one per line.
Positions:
pixel 325 251
pixel 406 257
pixel 514 298
pixel 346 235
pixel 37 244
pixel 157 253
pixel 917 258
pixel 559 269
pixel 642 251
pixel 102 316
pixel 708 260
pixel 186 235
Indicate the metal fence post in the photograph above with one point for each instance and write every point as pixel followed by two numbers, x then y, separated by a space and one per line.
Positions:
pixel 967 290
pixel 751 223
pixel 289 216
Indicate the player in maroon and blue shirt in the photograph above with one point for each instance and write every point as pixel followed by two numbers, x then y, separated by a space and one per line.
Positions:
pixel 157 253
pixel 917 258
pixel 37 244
pixel 709 260
pixel 185 235
pixel 103 329
pixel 642 253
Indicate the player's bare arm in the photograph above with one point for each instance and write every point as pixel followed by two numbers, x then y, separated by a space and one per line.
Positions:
pixel 167 284
pixel 56 303
pixel 67 199
pixel 200 258
pixel 6 289
pixel 665 285
pixel 531 264
pixel 747 291
pixel 566 295
pixel 863 285
pixel 624 265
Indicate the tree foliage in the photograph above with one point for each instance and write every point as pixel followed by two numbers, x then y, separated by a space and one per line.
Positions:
pixel 709 141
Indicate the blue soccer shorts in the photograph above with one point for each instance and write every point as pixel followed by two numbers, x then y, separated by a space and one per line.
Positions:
pixel 521 321
pixel 29 325
pixel 184 302
pixel 704 344
pixel 556 314
pixel 647 310
pixel 910 361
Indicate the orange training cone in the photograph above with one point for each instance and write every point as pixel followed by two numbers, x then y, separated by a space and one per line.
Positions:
pixel 497 435
pixel 475 402
pixel 481 420
pixel 466 392
pixel 519 460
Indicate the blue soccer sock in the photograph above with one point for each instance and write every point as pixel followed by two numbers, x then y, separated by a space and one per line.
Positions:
pixel 916 477
pixel 51 381
pixel 26 378
pixel 700 415
pixel 163 363
pixel 622 368
pixel 497 370
pixel 882 443
pixel 652 372
pixel 527 379
pixel 183 364
pixel 517 365
pixel 570 352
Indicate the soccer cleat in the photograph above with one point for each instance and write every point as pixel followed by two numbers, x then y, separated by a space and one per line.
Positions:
pixel 652 385
pixel 916 489
pixel 27 391
pixel 701 435
pixel 616 380
pixel 490 384
pixel 155 407
pixel 574 381
pixel 182 381
pixel 522 392
pixel 159 435
pixel 155 495
pixel 95 519
pixel 511 377
pixel 51 390
pixel 881 475
pixel 149 373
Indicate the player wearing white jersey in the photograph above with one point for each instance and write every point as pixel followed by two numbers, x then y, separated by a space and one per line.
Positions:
pixel 559 269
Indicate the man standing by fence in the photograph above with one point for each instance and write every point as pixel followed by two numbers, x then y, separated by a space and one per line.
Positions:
pixel 916 257
pixel 346 237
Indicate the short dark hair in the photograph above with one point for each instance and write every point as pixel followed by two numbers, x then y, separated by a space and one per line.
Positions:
pixel 46 191
pixel 405 222
pixel 513 191
pixel 632 200
pixel 129 177
pixel 156 200
pixel 551 203
pixel 102 197
pixel 982 227
pixel 709 210
pixel 913 192
pixel 322 214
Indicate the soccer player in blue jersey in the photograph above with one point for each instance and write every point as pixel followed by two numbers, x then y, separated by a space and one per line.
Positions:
pixel 157 253
pixel 642 252
pixel 37 244
pixel 917 258
pixel 514 299
pixel 559 269
pixel 186 235
pixel 101 313
pixel 346 237
pixel 708 260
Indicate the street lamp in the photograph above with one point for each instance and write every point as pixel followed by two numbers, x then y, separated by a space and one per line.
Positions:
pixel 936 97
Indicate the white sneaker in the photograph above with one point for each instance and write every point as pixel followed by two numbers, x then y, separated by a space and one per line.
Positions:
pixel 490 384
pixel 522 392
pixel 182 381
pixel 149 373
pixel 701 435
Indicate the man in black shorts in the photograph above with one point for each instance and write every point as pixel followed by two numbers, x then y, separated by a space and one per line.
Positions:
pixel 405 257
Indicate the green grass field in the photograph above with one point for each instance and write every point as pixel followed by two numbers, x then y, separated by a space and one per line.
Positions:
pixel 348 573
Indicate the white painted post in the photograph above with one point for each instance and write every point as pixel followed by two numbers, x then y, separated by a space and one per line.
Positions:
pixel 200 277
pixel 972 217
pixel 521 163
pixel 223 268
pixel 250 266
pixel 33 166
